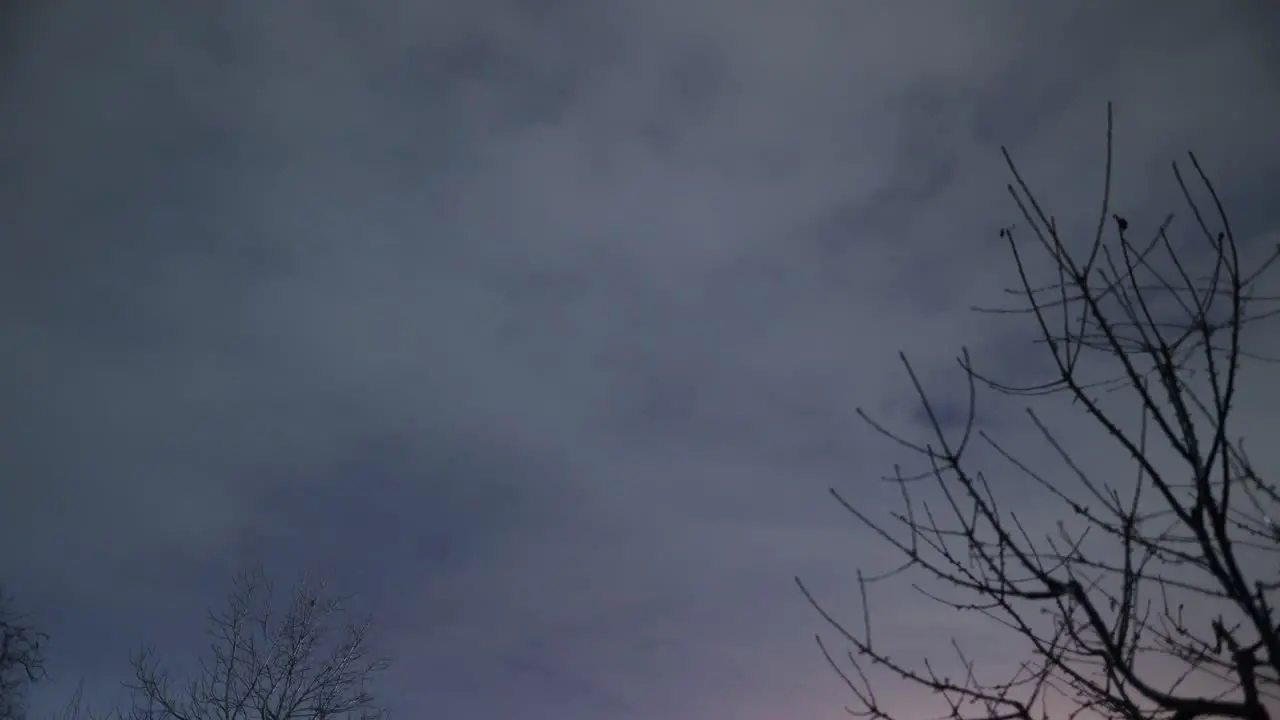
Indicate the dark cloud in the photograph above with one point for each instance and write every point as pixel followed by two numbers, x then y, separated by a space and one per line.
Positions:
pixel 541 324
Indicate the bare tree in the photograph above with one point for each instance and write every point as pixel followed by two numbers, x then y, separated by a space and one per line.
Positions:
pixel 21 659
pixel 307 660
pixel 77 708
pixel 1154 594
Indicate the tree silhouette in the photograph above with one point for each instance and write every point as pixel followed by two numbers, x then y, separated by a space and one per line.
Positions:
pixel 1154 594
pixel 302 659
pixel 21 659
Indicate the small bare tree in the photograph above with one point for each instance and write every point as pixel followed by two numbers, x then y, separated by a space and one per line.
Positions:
pixel 21 659
pixel 78 709
pixel 1154 596
pixel 307 660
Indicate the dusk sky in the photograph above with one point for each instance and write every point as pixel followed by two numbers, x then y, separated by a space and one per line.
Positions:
pixel 542 325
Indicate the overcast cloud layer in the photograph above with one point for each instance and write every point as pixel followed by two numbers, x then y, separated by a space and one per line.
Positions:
pixel 541 325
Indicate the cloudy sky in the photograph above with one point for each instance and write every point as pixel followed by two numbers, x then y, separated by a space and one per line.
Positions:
pixel 541 325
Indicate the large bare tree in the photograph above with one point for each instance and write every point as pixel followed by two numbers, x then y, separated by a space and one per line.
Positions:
pixel 21 659
pixel 300 656
pixel 1150 593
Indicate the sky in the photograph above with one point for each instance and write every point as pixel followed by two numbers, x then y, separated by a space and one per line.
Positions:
pixel 542 325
